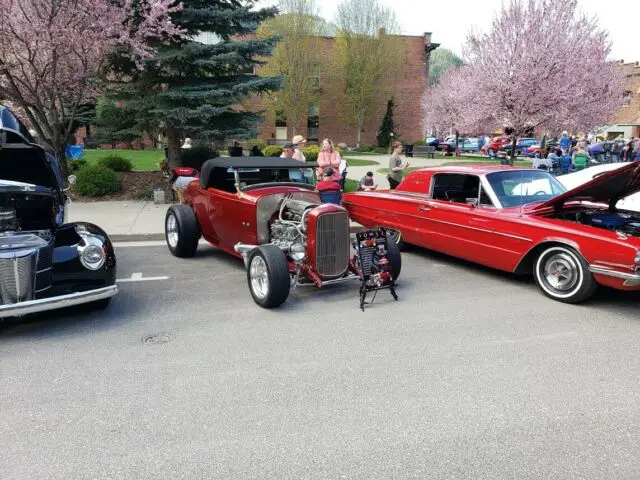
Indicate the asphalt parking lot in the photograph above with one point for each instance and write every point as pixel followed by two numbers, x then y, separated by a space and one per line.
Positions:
pixel 471 374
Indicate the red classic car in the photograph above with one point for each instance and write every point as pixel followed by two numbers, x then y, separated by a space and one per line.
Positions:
pixel 518 220
pixel 497 144
pixel 266 210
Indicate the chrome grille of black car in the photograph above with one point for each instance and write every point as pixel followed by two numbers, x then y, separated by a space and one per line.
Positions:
pixel 18 275
pixel 332 244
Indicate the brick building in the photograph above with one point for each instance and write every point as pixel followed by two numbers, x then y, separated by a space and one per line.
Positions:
pixel 323 120
pixel 627 120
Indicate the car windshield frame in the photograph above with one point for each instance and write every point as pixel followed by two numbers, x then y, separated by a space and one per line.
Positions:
pixel 499 181
pixel 305 174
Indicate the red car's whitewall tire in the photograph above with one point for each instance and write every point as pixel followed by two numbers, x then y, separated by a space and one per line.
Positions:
pixel 562 274
pixel 268 276
pixel 181 231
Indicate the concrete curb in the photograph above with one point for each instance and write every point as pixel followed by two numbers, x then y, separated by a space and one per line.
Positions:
pixel 155 237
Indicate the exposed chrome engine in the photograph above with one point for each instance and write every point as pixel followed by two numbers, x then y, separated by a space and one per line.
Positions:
pixel 290 226
pixel 624 223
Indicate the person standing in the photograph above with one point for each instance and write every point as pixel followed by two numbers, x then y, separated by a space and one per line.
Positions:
pixel 395 165
pixel 329 157
pixel 299 143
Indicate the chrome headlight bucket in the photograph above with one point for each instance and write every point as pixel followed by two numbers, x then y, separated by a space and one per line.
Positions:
pixel 637 259
pixel 298 252
pixel 91 251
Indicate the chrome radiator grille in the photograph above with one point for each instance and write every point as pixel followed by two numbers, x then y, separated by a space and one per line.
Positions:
pixel 332 244
pixel 18 275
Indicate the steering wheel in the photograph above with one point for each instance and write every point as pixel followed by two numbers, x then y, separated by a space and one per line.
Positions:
pixel 541 192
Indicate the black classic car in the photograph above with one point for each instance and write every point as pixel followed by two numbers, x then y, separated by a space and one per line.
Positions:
pixel 45 263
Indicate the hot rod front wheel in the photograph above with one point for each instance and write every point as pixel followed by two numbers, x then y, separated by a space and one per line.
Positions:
pixel 181 231
pixel 562 274
pixel 268 276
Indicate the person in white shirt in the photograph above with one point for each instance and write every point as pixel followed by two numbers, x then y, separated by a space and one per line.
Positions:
pixel 298 143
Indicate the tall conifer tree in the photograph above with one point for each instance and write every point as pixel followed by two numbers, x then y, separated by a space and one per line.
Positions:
pixel 198 84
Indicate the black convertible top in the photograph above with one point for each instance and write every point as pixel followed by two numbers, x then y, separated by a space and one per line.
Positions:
pixel 256 162
pixel 246 162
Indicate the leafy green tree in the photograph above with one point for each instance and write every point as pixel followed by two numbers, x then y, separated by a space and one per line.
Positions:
pixel 200 84
pixel 441 61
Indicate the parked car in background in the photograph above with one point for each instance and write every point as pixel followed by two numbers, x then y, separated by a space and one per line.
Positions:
pixel 45 262
pixel 521 146
pixel 432 142
pixel 465 145
pixel 266 210
pixel 495 145
pixel 518 220
pixel 537 151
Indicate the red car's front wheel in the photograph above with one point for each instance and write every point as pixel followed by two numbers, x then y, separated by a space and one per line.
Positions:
pixel 562 274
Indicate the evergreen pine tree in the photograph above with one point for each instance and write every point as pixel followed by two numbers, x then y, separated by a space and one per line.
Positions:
pixel 386 129
pixel 198 84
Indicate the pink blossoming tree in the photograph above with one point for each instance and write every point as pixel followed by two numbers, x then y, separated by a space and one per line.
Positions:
pixel 54 53
pixel 542 64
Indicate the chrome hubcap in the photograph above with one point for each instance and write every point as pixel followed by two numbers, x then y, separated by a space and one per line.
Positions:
pixel 561 272
pixel 172 231
pixel 259 277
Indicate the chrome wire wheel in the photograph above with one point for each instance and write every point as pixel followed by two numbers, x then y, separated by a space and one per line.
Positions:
pixel 561 272
pixel 172 231
pixel 259 277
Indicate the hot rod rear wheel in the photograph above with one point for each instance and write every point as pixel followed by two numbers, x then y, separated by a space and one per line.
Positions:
pixel 268 276
pixel 562 274
pixel 181 231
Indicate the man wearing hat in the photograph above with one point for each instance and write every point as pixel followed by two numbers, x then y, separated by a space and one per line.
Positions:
pixel 287 152
pixel 299 142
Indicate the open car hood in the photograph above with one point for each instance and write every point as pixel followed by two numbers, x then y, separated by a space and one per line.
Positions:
pixel 609 187
pixel 23 164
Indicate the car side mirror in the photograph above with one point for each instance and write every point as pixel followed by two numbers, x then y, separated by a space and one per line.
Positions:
pixel 472 202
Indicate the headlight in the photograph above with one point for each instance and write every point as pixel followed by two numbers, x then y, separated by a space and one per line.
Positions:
pixel 298 252
pixel 637 259
pixel 91 251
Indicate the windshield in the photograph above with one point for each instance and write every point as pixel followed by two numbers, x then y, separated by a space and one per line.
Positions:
pixel 262 176
pixel 519 187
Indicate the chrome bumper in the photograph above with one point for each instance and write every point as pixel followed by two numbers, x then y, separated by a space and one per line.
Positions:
pixel 61 301
pixel 630 279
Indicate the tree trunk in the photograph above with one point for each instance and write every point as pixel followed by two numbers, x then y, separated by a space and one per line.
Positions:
pixel 62 161
pixel 457 148
pixel 358 129
pixel 513 149
pixel 173 143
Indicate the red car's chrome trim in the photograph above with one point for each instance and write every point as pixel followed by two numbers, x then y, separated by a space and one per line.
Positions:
pixel 630 279
pixel 524 239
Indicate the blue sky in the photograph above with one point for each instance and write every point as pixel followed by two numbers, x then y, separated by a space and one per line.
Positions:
pixel 450 20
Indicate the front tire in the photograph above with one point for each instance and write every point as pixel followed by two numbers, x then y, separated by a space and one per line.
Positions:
pixel 395 236
pixel 395 258
pixel 268 276
pixel 563 275
pixel 181 231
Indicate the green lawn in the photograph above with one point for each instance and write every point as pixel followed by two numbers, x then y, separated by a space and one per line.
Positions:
pixel 358 162
pixel 350 185
pixel 143 160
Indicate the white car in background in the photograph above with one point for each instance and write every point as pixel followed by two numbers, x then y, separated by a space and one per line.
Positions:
pixel 572 180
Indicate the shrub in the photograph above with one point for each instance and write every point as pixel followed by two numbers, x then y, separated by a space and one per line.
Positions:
pixel 420 143
pixel 75 165
pixel 116 163
pixel 311 153
pixel 381 150
pixel 195 156
pixel 342 146
pixel 272 151
pixel 97 180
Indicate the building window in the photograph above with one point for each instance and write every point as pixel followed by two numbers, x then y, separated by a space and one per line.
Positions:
pixel 281 120
pixel 314 77
pixel 313 122
pixel 626 98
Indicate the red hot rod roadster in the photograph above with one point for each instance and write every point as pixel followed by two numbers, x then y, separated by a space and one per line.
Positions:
pixel 266 210
pixel 517 220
